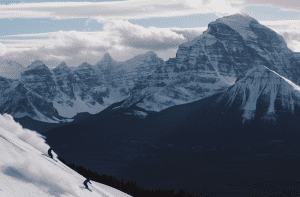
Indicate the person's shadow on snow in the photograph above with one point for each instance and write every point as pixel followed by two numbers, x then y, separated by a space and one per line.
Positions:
pixel 48 186
pixel 85 188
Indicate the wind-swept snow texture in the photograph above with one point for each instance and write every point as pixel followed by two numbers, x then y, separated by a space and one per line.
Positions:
pixel 24 171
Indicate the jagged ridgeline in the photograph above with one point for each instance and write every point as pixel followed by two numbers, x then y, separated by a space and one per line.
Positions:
pixel 61 93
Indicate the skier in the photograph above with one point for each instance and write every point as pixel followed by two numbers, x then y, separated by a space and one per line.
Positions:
pixel 49 152
pixel 87 181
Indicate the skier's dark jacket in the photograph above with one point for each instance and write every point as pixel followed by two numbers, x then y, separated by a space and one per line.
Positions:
pixel 49 152
pixel 87 181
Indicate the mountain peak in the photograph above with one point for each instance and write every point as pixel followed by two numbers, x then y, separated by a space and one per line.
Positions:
pixel 238 16
pixel 63 64
pixel 150 53
pixel 106 62
pixel 84 64
pixel 237 19
pixel 35 64
pixel 106 57
pixel 238 22
pixel 260 86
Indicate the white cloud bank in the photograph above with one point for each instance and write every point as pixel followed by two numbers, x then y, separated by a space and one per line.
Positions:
pixel 137 9
pixel 121 39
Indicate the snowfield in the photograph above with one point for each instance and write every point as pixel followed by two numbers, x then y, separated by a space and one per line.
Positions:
pixel 25 170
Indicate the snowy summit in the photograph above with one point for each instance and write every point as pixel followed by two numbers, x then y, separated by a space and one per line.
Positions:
pixel 261 83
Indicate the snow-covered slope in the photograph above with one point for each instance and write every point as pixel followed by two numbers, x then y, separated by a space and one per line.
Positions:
pixel 260 84
pixel 26 171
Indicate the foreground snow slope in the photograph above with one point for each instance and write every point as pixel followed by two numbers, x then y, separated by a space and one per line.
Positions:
pixel 26 171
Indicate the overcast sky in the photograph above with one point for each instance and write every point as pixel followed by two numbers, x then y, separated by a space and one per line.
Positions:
pixel 83 31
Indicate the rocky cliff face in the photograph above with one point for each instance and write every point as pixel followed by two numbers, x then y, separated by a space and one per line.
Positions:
pixel 54 95
pixel 38 78
pixel 19 101
pixel 212 62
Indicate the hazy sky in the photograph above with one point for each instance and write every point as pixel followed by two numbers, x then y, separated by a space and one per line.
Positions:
pixel 83 31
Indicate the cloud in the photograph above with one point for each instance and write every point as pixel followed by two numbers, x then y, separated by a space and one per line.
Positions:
pixel 189 33
pixel 130 9
pixel 2 49
pixel 136 36
pixel 284 5
pixel 74 47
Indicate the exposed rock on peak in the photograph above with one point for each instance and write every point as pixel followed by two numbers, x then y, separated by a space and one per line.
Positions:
pixel 85 65
pixel 107 57
pixel 39 79
pixel 150 53
pixel 36 64
pixel 62 65
pixel 239 18
pixel 106 63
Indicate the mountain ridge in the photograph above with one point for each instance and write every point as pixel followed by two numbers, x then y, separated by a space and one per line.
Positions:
pixel 212 62
pixel 87 88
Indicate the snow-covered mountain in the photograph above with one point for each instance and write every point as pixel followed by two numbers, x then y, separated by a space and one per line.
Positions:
pixel 10 69
pixel 261 89
pixel 203 67
pixel 25 170
pixel 212 62
pixel 58 94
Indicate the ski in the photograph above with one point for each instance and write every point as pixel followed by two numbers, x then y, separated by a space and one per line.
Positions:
pixel 86 188
pixel 49 157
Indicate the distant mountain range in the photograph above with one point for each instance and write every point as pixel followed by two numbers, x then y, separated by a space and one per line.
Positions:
pixel 225 111
pixel 209 64
pixel 59 94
